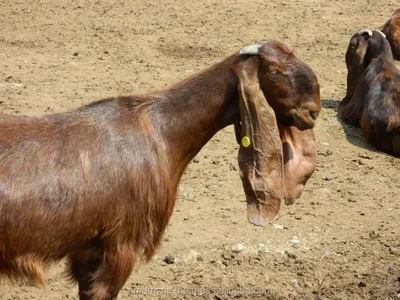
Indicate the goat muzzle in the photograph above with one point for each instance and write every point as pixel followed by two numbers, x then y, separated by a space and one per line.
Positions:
pixel 304 118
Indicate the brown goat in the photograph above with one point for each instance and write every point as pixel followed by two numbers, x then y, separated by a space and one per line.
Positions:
pixel 392 31
pixel 97 185
pixel 375 103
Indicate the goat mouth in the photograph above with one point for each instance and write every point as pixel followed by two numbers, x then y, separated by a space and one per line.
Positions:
pixel 303 120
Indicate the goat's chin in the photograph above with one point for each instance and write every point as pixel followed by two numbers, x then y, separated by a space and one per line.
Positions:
pixel 292 196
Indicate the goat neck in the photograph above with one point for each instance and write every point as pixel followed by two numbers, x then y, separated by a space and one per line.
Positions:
pixel 190 113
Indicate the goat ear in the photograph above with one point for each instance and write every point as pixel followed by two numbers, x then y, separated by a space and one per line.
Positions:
pixel 360 52
pixel 260 154
pixel 362 47
pixel 355 54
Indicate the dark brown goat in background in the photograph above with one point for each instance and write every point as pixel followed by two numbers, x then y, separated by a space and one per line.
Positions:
pixel 373 92
pixel 364 46
pixel 392 31
pixel 97 185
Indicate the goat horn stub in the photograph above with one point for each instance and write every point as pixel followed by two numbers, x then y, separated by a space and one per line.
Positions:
pixel 260 154
pixel 384 35
pixel 251 50
pixel 369 31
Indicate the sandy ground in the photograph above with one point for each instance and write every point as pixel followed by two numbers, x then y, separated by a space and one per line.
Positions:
pixel 340 241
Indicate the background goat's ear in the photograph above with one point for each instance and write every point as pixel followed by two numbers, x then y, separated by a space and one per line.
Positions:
pixel 360 52
pixel 260 154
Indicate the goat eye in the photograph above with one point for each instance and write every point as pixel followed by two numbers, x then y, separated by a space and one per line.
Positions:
pixel 273 71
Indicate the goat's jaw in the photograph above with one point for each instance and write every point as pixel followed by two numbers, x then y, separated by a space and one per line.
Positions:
pixel 289 200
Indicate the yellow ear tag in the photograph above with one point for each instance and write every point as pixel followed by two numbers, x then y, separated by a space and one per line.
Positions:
pixel 245 141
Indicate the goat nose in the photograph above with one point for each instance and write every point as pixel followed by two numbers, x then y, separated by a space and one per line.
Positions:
pixel 314 115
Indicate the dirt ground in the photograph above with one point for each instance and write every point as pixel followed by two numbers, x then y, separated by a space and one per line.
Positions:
pixel 339 241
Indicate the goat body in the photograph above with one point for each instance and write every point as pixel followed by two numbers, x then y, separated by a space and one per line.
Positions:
pixel 97 185
pixel 392 31
pixel 376 105
pixel 374 98
pixel 92 185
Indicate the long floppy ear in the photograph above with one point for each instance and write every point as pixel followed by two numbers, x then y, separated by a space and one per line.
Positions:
pixel 300 159
pixel 248 50
pixel 361 50
pixel 357 48
pixel 351 113
pixel 355 55
pixel 260 154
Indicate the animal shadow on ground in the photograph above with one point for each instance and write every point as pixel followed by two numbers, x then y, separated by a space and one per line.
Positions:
pixel 354 134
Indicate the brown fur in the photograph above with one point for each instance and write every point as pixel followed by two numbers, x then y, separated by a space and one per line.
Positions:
pixel 98 184
pixel 392 31
pixel 380 120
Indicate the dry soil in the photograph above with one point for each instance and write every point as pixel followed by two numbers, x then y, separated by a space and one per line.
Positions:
pixel 339 241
